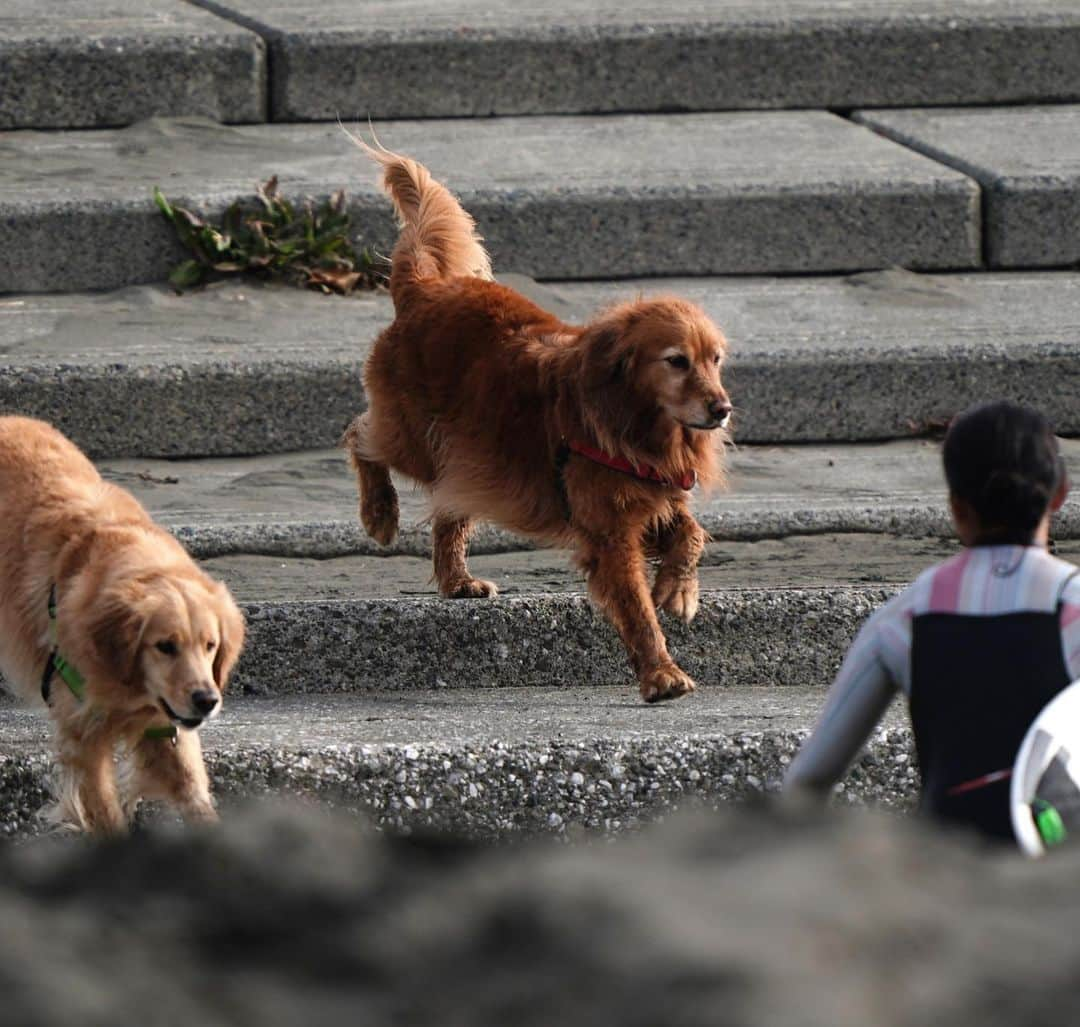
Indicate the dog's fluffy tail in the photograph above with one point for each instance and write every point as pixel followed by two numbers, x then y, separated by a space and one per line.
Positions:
pixel 438 238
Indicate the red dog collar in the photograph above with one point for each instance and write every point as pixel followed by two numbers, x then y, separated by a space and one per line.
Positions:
pixel 643 471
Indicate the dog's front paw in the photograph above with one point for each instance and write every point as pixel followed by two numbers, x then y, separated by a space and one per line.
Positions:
pixel 677 595
pixel 666 682
pixel 472 588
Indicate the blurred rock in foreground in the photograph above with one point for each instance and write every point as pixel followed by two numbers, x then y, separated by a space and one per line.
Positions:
pixel 293 916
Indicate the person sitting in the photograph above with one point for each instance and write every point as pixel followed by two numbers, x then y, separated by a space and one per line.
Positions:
pixel 978 644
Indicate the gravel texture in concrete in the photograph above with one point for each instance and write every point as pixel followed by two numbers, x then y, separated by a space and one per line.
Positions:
pixel 359 623
pixel 492 764
pixel 99 63
pixel 433 58
pixel 245 368
pixel 783 636
pixel 1027 160
pixel 565 197
pixel 305 504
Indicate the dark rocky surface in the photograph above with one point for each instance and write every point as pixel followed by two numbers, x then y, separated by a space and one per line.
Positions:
pixel 742 917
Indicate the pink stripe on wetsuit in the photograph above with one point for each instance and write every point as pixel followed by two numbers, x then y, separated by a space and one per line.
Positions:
pixel 986 580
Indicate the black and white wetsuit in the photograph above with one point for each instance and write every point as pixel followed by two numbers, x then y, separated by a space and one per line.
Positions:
pixel 978 644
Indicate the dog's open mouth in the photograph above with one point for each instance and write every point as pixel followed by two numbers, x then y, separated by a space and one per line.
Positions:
pixel 189 722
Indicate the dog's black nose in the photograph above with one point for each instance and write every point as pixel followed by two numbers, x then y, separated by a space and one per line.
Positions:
pixel 203 702
pixel 719 409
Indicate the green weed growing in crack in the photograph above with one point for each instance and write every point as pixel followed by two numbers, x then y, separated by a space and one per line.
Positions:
pixel 308 246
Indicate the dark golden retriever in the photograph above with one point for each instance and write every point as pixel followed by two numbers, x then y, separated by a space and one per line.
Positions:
pixel 586 436
pixel 106 617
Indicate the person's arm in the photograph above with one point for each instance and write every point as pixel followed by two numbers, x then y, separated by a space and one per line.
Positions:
pixel 857 700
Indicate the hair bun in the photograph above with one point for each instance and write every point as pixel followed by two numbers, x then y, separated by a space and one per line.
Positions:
pixel 1011 497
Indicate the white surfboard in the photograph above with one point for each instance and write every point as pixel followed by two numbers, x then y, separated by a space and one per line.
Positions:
pixel 1044 794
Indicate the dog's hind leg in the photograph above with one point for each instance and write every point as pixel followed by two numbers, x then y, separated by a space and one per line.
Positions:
pixel 378 497
pixel 680 543
pixel 449 544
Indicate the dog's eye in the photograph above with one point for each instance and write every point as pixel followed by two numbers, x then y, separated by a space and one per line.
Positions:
pixel 716 359
pixel 681 362
pixel 166 646
pixel 211 646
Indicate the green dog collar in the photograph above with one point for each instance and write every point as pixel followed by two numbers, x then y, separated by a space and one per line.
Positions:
pixel 76 682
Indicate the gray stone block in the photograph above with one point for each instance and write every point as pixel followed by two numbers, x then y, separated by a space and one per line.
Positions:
pixel 487 763
pixel 1027 160
pixel 554 197
pixel 789 637
pixel 112 62
pixel 251 369
pixel 245 369
pixel 435 58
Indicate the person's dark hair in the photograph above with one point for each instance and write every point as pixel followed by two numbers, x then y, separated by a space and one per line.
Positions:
pixel 1002 459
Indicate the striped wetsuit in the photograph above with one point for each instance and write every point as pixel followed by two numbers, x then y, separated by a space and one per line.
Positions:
pixel 978 645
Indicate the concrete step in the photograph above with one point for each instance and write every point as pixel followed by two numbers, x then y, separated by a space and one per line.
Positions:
pixel 305 504
pixel 323 626
pixel 1027 160
pixel 457 58
pixel 99 63
pixel 491 764
pixel 778 612
pixel 570 197
pixel 237 369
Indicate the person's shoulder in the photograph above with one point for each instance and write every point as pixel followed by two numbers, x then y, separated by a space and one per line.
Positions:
pixel 1069 573
pixel 936 584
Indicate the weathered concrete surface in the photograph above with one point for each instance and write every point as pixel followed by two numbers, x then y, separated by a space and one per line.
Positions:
pixel 781 636
pixel 489 763
pixel 111 62
pixel 231 369
pixel 775 612
pixel 1027 160
pixel 305 504
pixel 251 369
pixel 467 57
pixel 554 197
pixel 798 561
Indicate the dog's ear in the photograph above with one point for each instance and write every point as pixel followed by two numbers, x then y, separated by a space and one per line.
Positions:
pixel 231 628
pixel 116 633
pixel 607 395
pixel 606 357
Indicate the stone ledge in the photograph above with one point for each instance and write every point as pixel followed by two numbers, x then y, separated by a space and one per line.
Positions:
pixel 1027 160
pixel 572 197
pixel 100 64
pixel 247 369
pixel 462 58
pixel 492 765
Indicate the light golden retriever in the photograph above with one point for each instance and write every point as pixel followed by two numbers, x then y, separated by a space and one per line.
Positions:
pixel 106 616
pixel 586 436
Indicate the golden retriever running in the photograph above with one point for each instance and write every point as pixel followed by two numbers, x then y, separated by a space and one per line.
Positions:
pixel 106 617
pixel 587 436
